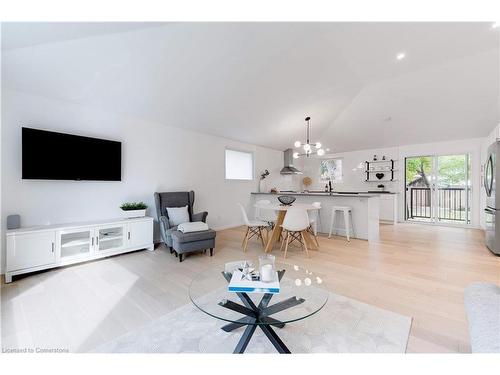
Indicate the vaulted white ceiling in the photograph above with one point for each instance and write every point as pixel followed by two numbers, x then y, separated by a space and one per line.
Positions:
pixel 255 82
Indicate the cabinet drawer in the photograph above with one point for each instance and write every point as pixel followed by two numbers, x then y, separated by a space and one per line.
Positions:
pixel 30 250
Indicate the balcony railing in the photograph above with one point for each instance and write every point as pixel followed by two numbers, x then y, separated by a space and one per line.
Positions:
pixel 451 203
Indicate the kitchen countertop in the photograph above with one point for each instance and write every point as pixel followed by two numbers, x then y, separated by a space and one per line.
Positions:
pixel 322 194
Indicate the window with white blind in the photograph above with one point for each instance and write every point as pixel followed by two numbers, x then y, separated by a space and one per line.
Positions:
pixel 239 165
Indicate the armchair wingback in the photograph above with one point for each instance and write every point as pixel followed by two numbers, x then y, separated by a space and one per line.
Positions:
pixel 174 199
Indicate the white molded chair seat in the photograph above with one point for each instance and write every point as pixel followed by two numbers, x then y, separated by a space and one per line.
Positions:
pixel 296 221
pixel 265 214
pixel 348 222
pixel 257 223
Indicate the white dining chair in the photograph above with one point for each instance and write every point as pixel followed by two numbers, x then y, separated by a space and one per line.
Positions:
pixel 295 223
pixel 254 228
pixel 265 214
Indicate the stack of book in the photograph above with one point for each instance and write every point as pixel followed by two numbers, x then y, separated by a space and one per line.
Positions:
pixel 240 284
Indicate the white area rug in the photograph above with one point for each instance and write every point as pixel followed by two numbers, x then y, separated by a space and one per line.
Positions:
pixel 343 326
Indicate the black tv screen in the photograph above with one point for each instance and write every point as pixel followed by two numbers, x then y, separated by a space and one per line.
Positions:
pixel 57 156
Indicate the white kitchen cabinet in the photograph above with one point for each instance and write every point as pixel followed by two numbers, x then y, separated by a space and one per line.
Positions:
pixel 37 248
pixel 388 208
pixel 30 250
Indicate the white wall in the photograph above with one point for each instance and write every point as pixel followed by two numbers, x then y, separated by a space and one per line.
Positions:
pixel 354 178
pixel 353 166
pixel 155 157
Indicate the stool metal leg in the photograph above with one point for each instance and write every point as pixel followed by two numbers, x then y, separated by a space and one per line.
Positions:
pixel 332 222
pixel 318 222
pixel 352 224
pixel 347 224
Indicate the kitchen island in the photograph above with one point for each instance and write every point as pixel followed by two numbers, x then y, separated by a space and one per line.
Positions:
pixel 365 210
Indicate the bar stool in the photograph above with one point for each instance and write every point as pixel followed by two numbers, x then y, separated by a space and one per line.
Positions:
pixel 347 212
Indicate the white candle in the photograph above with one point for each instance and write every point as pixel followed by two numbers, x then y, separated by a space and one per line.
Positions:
pixel 266 273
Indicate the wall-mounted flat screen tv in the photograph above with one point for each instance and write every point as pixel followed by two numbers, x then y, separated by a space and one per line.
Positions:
pixel 57 156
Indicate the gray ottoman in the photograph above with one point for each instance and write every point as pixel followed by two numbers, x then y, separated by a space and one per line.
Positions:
pixel 184 243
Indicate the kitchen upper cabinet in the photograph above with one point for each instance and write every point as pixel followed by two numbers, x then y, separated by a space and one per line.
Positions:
pixel 30 250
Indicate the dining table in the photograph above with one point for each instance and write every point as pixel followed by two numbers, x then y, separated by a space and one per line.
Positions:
pixel 277 229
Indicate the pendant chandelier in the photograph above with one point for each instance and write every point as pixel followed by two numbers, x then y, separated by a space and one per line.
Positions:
pixel 308 147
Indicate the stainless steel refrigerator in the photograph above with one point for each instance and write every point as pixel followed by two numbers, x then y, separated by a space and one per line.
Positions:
pixel 492 210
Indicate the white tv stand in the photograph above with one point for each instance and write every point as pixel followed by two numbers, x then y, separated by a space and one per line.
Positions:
pixel 49 246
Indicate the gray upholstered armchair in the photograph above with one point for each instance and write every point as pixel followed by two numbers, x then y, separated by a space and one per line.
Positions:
pixel 174 199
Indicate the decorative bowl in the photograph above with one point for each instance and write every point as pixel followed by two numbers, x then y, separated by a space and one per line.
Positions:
pixel 286 200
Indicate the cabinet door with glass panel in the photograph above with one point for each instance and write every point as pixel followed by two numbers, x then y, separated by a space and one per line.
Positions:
pixel 110 238
pixel 75 243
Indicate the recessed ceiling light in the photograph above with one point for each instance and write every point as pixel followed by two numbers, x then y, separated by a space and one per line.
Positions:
pixel 495 25
pixel 400 56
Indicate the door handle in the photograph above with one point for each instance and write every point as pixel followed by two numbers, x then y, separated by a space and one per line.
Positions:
pixel 489 211
pixel 97 241
pixel 52 246
pixel 92 241
pixel 129 235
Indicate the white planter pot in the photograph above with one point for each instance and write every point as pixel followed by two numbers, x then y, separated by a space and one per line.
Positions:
pixel 130 214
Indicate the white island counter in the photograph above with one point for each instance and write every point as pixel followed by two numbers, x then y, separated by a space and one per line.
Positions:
pixel 365 211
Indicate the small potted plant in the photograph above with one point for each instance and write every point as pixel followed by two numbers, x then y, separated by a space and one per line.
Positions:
pixel 134 209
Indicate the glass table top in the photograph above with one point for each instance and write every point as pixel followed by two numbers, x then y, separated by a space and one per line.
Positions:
pixel 301 295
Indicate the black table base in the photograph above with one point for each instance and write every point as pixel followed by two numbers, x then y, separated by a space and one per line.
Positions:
pixel 258 316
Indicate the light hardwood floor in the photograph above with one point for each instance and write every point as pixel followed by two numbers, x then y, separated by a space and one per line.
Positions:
pixel 415 270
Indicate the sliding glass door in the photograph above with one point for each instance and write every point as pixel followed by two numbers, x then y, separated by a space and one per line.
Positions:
pixel 438 189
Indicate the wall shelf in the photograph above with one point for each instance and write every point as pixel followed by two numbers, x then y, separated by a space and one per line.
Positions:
pixel 389 172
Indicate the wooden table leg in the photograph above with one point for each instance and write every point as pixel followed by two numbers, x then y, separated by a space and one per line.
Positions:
pixel 311 245
pixel 276 233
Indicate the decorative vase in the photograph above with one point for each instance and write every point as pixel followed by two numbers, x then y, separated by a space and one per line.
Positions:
pixel 131 214
pixel 261 186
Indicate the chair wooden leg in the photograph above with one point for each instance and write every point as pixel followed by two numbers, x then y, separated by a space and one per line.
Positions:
pixel 261 237
pixel 245 237
pixel 315 236
pixel 245 242
pixel 282 244
pixel 287 239
pixel 304 243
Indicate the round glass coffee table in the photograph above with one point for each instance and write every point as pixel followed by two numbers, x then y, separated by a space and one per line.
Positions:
pixel 301 295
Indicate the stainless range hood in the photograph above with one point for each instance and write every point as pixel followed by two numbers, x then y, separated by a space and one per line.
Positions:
pixel 288 163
